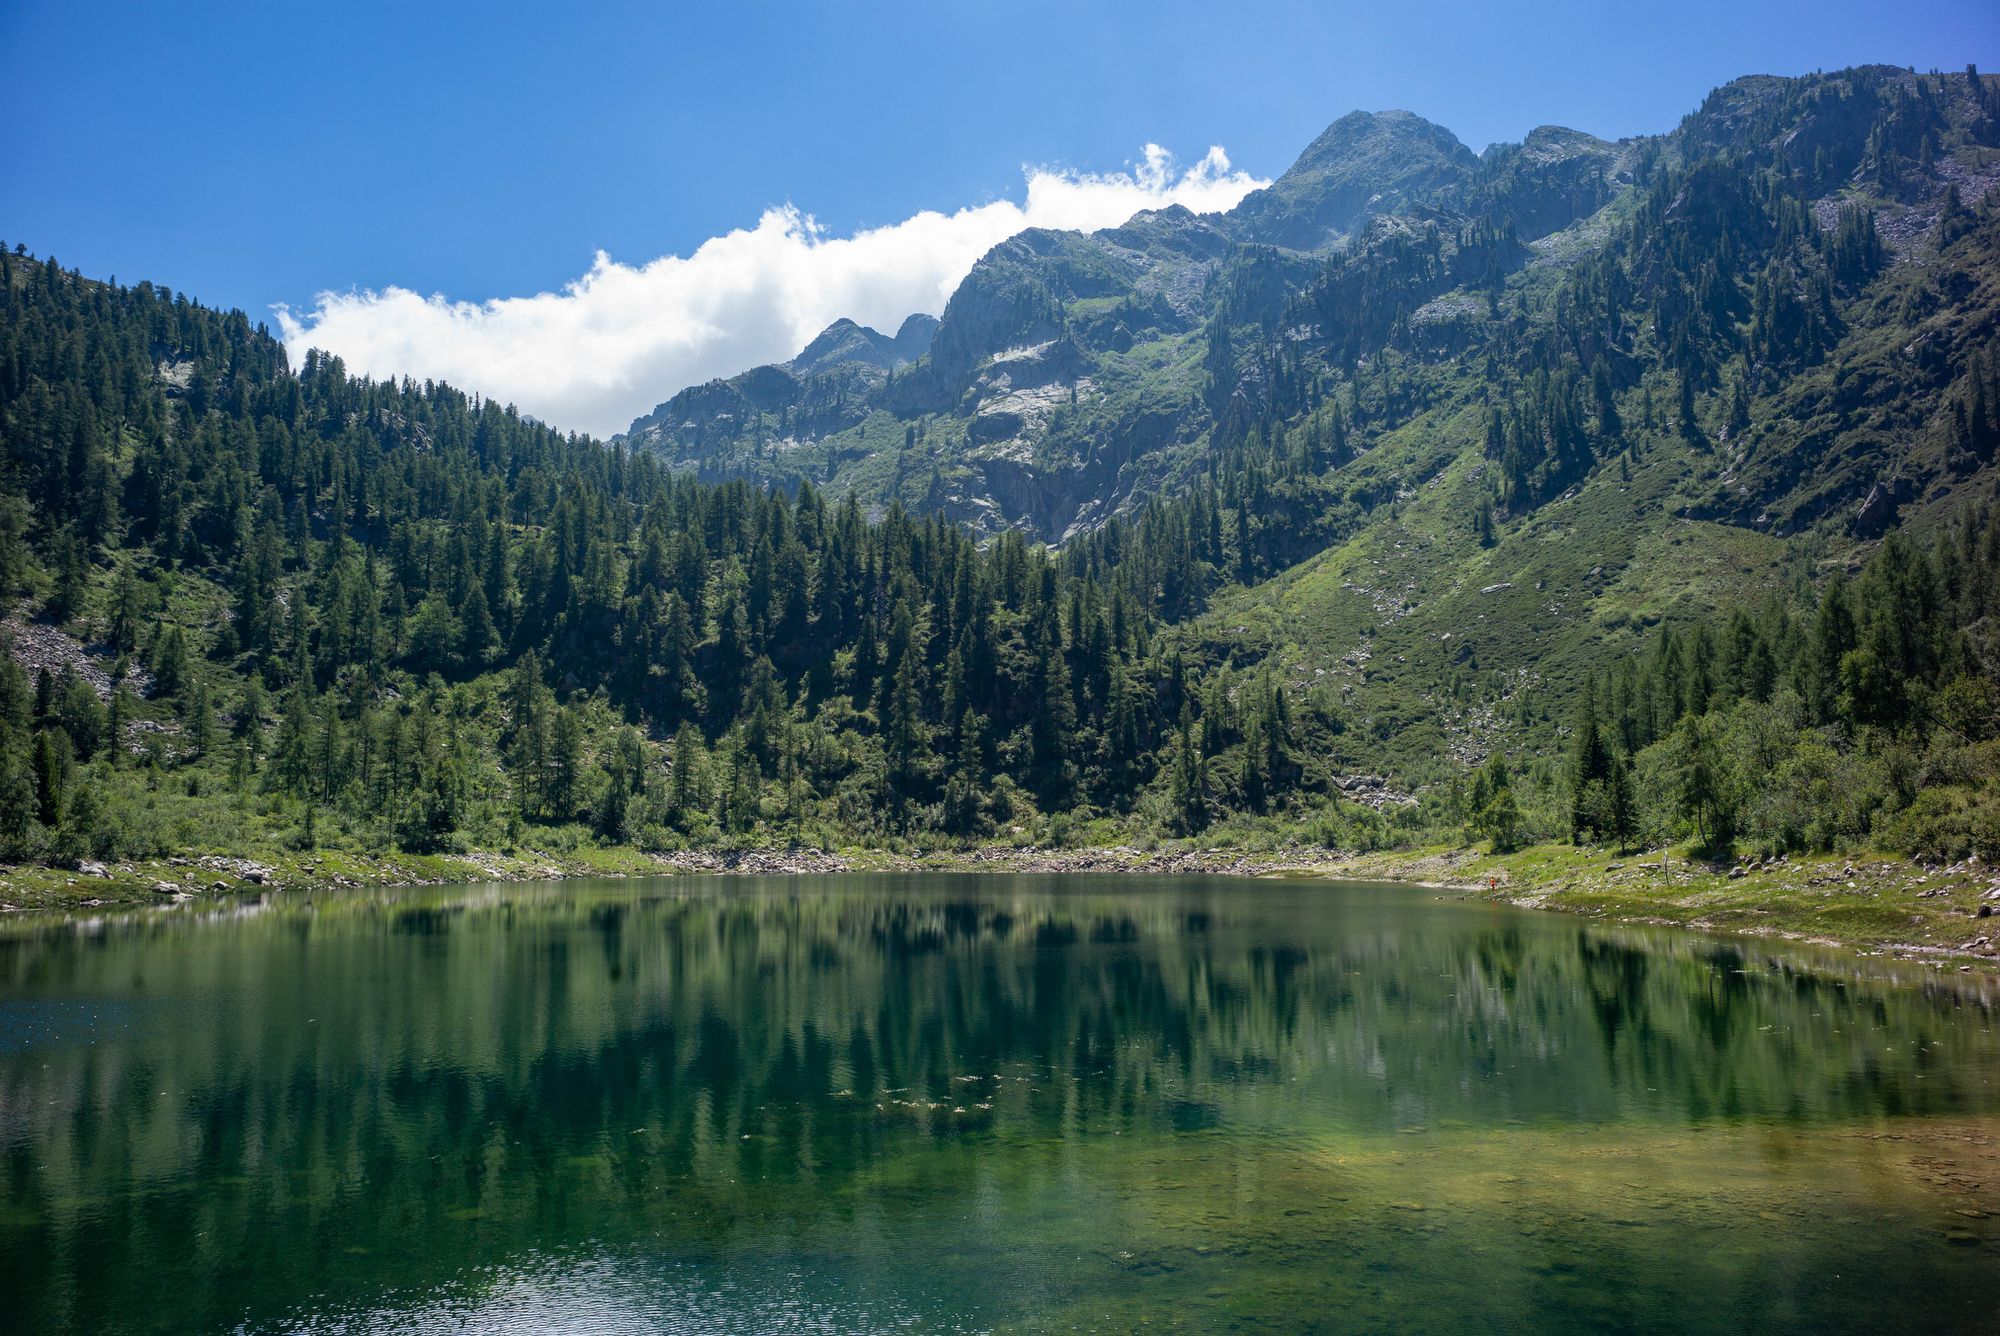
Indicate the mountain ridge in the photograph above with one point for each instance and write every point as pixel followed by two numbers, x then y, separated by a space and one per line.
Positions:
pixel 1164 281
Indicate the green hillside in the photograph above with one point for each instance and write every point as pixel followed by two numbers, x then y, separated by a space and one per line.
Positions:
pixel 1633 491
pixel 1508 411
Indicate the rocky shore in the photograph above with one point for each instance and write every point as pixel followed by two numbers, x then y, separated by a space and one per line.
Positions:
pixel 1948 915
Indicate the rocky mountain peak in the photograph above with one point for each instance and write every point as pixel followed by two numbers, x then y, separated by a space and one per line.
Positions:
pixel 1365 163
pixel 845 341
pixel 1377 143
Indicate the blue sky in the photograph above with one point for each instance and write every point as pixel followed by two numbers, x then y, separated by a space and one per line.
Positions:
pixel 259 154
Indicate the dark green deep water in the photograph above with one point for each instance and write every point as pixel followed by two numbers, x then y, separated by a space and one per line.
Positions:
pixel 954 1104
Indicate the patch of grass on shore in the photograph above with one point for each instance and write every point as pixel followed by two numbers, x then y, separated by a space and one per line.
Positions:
pixel 1873 903
pixel 1870 901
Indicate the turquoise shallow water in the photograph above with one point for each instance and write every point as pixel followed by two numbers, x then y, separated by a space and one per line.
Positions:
pixel 924 1103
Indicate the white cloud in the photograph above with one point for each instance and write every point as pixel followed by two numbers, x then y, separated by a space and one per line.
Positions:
pixel 621 338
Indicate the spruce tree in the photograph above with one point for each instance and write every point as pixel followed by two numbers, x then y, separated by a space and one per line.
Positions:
pixel 1188 786
pixel 564 785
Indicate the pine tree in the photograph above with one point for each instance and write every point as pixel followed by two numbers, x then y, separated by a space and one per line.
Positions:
pixel 624 779
pixel 127 611
pixel 1690 425
pixel 1275 731
pixel 964 799
pixel 72 578
pixel 906 743
pixel 478 637
pixel 20 805
pixel 51 766
pixel 686 784
pixel 1590 767
pixel 80 715
pixel 250 708
pixel 1122 743
pixel 741 805
pixel 293 759
pixel 1621 807
pixel 1833 637
pixel 1188 787
pixel 565 764
pixel 1053 714
pixel 1495 814
pixel 529 742
pixel 169 662
pixel 1256 779
pixel 118 722
pixel 197 717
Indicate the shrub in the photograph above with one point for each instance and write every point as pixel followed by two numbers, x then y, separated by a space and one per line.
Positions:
pixel 1947 823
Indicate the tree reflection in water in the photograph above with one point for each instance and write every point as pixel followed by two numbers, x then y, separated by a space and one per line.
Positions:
pixel 295 1108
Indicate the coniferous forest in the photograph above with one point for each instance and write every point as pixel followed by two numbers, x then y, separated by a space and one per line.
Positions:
pixel 256 608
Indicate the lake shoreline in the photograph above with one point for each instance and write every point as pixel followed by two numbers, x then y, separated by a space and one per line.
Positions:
pixel 1946 914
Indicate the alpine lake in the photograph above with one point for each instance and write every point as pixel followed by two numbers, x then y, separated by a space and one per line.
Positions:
pixel 923 1103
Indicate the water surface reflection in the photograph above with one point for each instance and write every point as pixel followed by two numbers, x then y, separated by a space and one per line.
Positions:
pixel 924 1102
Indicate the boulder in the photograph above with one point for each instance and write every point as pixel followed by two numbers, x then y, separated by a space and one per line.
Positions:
pixel 1878 510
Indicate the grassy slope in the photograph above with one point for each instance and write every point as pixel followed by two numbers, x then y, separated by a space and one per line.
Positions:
pixel 1444 650
pixel 1435 662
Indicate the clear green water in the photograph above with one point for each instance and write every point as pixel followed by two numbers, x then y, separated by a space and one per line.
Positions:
pixel 996 1103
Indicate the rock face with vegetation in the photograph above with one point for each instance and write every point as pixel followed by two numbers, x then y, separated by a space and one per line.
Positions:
pixel 1631 491
pixel 1393 271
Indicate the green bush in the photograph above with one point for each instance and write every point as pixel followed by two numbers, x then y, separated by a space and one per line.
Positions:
pixel 1947 824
